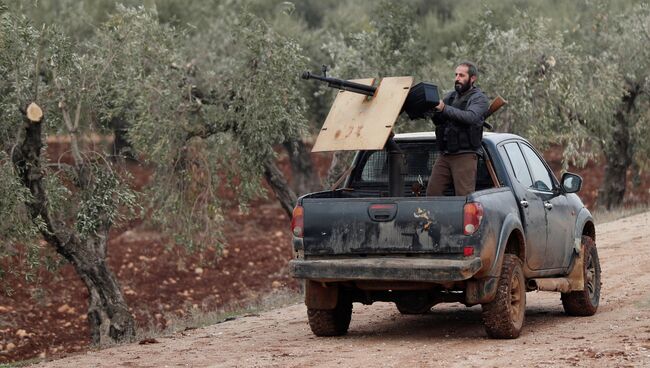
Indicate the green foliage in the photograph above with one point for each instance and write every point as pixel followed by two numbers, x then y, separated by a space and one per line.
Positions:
pixel 627 36
pixel 19 43
pixel 100 203
pixel 43 66
pixel 388 48
pixel 13 195
pixel 216 116
pixel 556 91
pixel 16 63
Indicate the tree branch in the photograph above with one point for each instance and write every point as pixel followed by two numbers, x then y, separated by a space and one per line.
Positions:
pixel 37 65
pixel 70 125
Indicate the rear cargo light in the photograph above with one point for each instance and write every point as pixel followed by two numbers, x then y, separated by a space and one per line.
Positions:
pixel 297 221
pixel 382 212
pixel 382 206
pixel 472 216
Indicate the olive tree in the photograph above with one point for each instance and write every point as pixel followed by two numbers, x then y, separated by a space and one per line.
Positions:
pixel 48 89
pixel 621 39
pixel 557 92
pixel 138 69
pixel 584 87
pixel 240 98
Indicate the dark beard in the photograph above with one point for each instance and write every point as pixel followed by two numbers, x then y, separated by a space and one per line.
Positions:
pixel 462 88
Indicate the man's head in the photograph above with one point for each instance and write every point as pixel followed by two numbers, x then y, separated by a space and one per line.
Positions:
pixel 466 74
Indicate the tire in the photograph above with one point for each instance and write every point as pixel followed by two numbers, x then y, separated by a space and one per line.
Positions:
pixel 331 322
pixel 585 302
pixel 503 317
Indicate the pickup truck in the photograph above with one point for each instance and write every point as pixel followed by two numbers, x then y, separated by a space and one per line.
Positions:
pixel 378 238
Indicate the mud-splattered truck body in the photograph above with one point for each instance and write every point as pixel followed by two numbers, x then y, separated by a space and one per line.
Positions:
pixel 380 238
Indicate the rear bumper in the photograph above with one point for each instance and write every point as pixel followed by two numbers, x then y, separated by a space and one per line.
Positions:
pixel 387 269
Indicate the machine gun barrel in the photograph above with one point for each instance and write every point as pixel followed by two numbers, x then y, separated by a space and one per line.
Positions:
pixel 343 84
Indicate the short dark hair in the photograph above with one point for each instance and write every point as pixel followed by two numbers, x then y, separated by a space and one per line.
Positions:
pixel 471 68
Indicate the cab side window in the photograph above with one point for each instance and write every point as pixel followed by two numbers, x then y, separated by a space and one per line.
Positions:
pixel 542 178
pixel 518 164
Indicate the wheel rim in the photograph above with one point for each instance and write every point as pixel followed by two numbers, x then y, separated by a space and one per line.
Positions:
pixel 590 277
pixel 516 299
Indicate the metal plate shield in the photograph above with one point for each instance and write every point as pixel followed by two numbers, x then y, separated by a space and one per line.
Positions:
pixel 356 122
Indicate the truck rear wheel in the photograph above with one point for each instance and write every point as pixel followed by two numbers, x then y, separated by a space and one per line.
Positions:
pixel 585 302
pixel 504 316
pixel 331 322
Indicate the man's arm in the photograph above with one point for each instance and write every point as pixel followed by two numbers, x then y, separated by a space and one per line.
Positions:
pixel 477 106
pixel 437 117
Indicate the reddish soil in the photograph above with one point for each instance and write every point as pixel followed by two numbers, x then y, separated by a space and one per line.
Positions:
pixel 50 318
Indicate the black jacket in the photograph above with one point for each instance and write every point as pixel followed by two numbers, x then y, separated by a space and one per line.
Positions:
pixel 459 127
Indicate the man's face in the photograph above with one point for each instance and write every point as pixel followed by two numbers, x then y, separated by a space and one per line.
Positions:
pixel 463 82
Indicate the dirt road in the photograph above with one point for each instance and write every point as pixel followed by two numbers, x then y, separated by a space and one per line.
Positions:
pixel 450 336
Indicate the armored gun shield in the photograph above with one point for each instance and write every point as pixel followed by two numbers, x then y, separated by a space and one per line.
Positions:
pixel 360 122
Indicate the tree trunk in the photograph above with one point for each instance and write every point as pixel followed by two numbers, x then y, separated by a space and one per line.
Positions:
pixel 108 314
pixel 619 155
pixel 121 147
pixel 304 175
pixel 612 191
pixel 280 186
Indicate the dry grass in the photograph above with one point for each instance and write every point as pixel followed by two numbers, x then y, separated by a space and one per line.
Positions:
pixel 197 318
pixel 22 363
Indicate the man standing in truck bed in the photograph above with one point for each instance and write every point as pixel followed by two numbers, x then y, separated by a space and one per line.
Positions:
pixel 459 129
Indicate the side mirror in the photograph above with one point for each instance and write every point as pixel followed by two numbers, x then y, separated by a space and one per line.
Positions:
pixel 571 183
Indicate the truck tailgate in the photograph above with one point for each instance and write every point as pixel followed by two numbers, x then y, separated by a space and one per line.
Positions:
pixel 383 225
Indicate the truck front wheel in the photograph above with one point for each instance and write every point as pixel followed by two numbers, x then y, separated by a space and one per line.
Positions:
pixel 504 316
pixel 331 322
pixel 585 302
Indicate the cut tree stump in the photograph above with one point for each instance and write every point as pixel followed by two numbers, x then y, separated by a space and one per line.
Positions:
pixel 34 113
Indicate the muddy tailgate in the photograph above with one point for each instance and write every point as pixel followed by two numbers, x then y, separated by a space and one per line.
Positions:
pixel 383 226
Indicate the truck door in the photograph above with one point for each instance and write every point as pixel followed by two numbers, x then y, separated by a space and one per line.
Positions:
pixel 558 219
pixel 531 205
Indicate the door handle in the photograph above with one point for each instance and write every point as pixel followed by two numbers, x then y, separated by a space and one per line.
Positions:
pixel 548 205
pixel 524 203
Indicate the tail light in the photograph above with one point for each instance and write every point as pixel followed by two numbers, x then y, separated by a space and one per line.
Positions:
pixel 468 251
pixel 297 221
pixel 472 216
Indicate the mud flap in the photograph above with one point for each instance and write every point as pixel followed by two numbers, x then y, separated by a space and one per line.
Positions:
pixel 577 275
pixel 319 295
pixel 481 291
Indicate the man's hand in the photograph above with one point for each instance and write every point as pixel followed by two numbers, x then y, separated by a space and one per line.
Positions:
pixel 440 107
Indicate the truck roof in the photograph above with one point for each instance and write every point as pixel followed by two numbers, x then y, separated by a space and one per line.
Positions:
pixel 493 138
